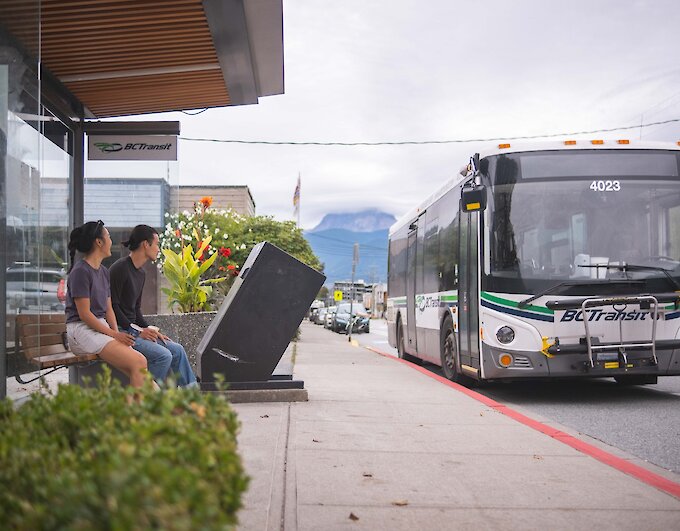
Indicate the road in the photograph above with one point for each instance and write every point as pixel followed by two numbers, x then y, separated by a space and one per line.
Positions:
pixel 641 420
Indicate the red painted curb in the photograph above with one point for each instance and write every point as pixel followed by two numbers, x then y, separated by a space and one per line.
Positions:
pixel 639 473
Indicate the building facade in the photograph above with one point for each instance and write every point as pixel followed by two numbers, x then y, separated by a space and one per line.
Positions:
pixel 237 198
pixel 352 291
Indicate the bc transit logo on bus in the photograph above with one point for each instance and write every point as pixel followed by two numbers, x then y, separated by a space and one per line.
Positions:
pixel 599 315
pixel 423 302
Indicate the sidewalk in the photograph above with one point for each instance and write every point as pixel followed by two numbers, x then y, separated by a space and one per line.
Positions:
pixel 380 445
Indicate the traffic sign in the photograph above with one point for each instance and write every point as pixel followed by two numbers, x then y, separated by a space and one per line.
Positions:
pixel 337 295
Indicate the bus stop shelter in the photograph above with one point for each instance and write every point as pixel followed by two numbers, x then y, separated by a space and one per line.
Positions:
pixel 67 64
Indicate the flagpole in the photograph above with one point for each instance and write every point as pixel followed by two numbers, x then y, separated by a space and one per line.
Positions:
pixel 296 201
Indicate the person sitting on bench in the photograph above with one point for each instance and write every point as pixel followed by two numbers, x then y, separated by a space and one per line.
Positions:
pixel 91 325
pixel 127 283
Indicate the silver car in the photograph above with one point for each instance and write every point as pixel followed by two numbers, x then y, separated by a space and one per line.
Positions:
pixel 32 288
pixel 328 321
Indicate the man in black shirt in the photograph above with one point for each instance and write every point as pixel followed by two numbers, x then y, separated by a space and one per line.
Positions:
pixel 127 283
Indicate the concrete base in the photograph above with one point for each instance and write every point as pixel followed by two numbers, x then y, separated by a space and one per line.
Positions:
pixel 248 396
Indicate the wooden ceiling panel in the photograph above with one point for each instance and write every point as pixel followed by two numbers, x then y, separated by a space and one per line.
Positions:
pixel 123 57
pixel 156 93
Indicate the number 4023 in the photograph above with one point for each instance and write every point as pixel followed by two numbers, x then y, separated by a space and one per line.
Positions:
pixel 605 186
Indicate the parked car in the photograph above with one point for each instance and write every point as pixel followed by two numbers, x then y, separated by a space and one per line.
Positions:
pixel 321 316
pixel 313 314
pixel 360 320
pixel 33 288
pixel 328 322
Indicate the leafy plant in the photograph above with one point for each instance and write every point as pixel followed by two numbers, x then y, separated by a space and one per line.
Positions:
pixel 232 237
pixel 184 272
pixel 96 458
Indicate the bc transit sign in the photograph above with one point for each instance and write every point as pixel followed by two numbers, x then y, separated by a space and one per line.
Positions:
pixel 132 147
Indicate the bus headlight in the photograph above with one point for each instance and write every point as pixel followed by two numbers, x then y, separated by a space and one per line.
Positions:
pixel 505 335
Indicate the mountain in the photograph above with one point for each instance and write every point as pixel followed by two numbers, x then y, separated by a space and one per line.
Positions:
pixel 334 238
pixel 365 221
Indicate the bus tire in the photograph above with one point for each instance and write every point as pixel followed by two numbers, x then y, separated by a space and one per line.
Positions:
pixel 401 349
pixel 449 353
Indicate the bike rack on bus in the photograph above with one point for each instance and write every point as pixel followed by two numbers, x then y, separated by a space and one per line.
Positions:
pixel 621 346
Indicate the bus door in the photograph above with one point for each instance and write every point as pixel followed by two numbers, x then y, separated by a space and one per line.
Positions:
pixel 468 291
pixel 410 343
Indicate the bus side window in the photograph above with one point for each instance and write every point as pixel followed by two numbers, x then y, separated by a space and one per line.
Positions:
pixel 431 279
pixel 448 252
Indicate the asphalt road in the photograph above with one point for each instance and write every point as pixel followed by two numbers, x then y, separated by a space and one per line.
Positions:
pixel 641 420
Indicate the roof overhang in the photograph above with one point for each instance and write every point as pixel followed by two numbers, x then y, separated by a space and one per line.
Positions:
pixel 125 57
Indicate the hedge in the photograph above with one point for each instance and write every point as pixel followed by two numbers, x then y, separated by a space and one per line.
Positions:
pixel 103 458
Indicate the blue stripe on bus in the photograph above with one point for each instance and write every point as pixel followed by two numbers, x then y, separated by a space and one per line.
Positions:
pixel 518 313
pixel 673 315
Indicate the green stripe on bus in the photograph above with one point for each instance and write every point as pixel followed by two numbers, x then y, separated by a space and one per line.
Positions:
pixel 515 304
pixel 448 298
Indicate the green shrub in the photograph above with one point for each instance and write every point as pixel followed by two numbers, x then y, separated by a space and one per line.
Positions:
pixel 94 458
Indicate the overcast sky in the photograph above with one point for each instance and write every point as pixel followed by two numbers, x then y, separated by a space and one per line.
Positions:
pixel 394 70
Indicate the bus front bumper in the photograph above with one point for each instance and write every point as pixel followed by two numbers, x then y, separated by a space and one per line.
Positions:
pixel 527 364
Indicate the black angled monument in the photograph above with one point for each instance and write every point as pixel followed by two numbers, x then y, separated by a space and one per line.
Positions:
pixel 257 321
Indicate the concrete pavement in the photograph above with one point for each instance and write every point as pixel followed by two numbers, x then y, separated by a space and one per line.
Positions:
pixel 380 445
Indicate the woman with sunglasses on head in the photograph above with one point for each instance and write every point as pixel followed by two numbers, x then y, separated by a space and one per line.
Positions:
pixel 90 320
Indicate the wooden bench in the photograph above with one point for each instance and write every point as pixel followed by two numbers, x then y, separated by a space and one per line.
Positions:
pixel 41 339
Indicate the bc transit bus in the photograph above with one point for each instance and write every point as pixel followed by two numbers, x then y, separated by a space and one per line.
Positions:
pixel 545 261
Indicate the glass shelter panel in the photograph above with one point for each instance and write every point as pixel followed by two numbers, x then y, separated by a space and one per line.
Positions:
pixel 35 179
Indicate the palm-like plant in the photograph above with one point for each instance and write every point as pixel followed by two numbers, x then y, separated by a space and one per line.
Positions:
pixel 184 270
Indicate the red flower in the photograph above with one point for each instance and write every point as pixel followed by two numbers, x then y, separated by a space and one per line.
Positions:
pixel 178 233
pixel 200 256
pixel 231 267
pixel 206 201
pixel 225 251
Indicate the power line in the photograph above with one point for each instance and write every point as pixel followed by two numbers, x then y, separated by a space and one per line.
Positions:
pixel 194 113
pixel 362 245
pixel 425 142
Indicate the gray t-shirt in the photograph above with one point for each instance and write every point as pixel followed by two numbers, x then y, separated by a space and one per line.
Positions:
pixel 85 281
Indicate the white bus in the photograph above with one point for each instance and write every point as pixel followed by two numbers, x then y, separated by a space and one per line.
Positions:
pixel 545 261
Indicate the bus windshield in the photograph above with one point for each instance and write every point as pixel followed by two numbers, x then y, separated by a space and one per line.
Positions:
pixel 582 216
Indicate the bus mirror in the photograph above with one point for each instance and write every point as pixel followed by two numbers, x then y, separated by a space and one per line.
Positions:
pixel 473 199
pixel 474 162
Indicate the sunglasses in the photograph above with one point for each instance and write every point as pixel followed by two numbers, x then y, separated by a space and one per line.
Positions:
pixel 100 223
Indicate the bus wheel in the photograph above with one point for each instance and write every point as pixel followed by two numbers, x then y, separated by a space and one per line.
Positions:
pixel 449 353
pixel 401 350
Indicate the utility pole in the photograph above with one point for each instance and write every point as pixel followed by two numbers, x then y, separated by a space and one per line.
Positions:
pixel 355 261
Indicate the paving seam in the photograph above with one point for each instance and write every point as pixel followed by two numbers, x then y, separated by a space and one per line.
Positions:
pixel 282 523
pixel 272 494
pixel 637 472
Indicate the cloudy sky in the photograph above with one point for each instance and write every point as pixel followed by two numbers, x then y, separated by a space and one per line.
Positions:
pixel 414 70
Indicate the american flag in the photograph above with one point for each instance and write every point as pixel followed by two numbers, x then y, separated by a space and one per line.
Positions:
pixel 296 195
